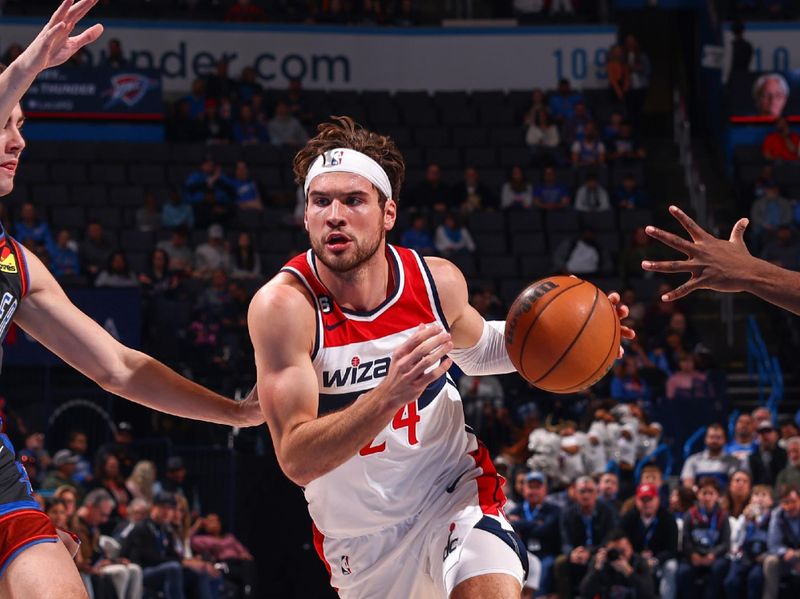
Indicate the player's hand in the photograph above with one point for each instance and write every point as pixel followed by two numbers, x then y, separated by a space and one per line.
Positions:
pixel 413 365
pixel 251 414
pixel 713 263
pixel 54 46
pixel 622 314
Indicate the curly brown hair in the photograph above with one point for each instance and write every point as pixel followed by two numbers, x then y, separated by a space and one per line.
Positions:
pixel 344 132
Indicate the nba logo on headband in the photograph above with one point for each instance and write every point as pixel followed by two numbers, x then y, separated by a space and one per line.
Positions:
pixel 333 158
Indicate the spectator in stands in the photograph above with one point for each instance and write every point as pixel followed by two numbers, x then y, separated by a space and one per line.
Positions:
pixel 432 193
pixel 484 299
pixel 213 254
pixel 711 462
pixel 248 84
pixel 107 476
pixel 117 273
pixel 176 213
pixel 213 302
pixel 69 495
pixel 219 84
pixel 629 196
pixel 140 482
pixel 125 577
pixel 612 129
pixel 738 495
pixel 562 103
pixel 198 573
pixel 537 523
pixel 178 250
pixel 258 103
pixel 196 100
pixel 749 536
pixel 550 195
pixel 744 442
pixel 574 127
pixel 247 130
pixel 625 149
pixel 790 475
pixel 29 229
pixel 768 459
pixel 182 126
pixel 543 138
pixel 245 188
pixel 64 259
pixel 538 105
pixel 591 196
pixel 585 526
pixel 627 385
pixel 245 261
pixel 653 533
pixel 285 129
pixel 742 50
pixel 138 510
pixel 770 93
pixel 640 69
pixel 783 542
pixel 608 490
pixel 149 544
pixel 121 448
pixel 31 465
pixel 158 278
pixel 148 218
pixel 769 213
pixel 78 444
pixel 619 75
pixel 114 58
pixel 471 194
pixel 688 381
pixel 208 178
pixel 11 53
pixel 219 547
pixel 65 462
pixel 788 428
pixel 417 237
pixel 782 144
pixel 589 151
pixel 706 542
pixel 616 571
pixel 453 238
pixel 56 510
pixel 517 192
pixel 218 122
pixel 175 482
pixel 581 255
pixel 95 249
pixel 783 249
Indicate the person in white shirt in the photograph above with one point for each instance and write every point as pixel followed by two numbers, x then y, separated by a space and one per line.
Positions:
pixel 517 191
pixel 713 461
pixel 591 196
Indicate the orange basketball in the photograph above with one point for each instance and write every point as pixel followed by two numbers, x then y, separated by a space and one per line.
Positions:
pixel 562 334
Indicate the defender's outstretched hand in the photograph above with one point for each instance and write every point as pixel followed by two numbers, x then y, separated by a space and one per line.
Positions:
pixel 54 46
pixel 717 264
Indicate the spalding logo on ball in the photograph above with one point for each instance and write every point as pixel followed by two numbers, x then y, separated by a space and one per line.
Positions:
pixel 562 334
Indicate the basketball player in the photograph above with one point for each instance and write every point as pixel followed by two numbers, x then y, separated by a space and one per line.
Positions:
pixel 34 563
pixel 352 341
pixel 723 265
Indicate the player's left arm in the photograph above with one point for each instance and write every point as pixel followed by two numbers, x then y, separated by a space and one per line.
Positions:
pixel 479 344
pixel 48 315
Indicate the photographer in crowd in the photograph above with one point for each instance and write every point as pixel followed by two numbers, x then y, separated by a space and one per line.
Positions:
pixel 616 571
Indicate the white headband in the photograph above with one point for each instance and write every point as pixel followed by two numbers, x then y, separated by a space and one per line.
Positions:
pixel 345 160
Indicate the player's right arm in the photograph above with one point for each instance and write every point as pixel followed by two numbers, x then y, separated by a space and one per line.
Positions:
pixel 724 265
pixel 281 321
pixel 50 48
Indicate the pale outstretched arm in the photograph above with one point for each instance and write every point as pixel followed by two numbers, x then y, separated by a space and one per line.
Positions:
pixel 52 47
pixel 48 315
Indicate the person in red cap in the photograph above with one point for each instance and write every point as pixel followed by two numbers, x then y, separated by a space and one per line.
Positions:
pixel 653 533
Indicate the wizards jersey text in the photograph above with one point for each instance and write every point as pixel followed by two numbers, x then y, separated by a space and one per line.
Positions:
pixel 425 447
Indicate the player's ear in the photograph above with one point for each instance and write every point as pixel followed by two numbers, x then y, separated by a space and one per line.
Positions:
pixel 389 214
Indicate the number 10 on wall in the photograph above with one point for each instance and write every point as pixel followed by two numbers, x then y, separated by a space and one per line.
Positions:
pixel 574 64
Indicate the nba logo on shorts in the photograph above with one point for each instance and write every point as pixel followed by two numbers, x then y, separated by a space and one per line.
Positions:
pixel 334 158
pixel 346 571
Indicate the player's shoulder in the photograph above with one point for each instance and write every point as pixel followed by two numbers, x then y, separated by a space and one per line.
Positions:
pixel 445 274
pixel 282 301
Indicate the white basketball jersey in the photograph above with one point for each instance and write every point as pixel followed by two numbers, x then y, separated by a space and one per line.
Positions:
pixel 425 447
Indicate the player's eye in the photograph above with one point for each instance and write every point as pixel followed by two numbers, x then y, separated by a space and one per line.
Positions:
pixel 353 201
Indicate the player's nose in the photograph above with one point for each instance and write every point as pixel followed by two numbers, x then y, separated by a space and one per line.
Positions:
pixel 336 212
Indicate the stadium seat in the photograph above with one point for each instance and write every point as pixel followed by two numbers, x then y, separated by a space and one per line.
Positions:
pixel 466 264
pixel 431 137
pixel 749 173
pixel 524 221
pixel 90 195
pixel 528 243
pixel 499 267
pixel 470 136
pixel 787 174
pixel 278 241
pixel 137 241
pixel 112 174
pixel 381 116
pixel 487 222
pixel 459 116
pixel 562 220
pixel 485 157
pixel 50 195
pixel 446 101
pixel 344 100
pixel 138 261
pixel 490 244
pixel 226 154
pixel 19 194
pixel 414 157
pixel 178 173
pixel 270 177
pixel 33 172
pixel 444 157
pixel 748 154
pixel 533 267
pixel 510 289
pixel 620 171
pixel 67 217
pixel 599 221
pixel 188 153
pixel 496 116
pixel 146 174
pixel 519 156
pixel 401 135
pixel 128 195
pixel 68 173
pixel 420 117
pixel 108 216
pixel 633 219
pixel 256 154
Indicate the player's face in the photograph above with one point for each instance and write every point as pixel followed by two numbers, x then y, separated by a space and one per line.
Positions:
pixel 11 146
pixel 345 222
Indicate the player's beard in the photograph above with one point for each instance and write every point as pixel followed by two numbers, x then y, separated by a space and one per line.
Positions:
pixel 350 261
